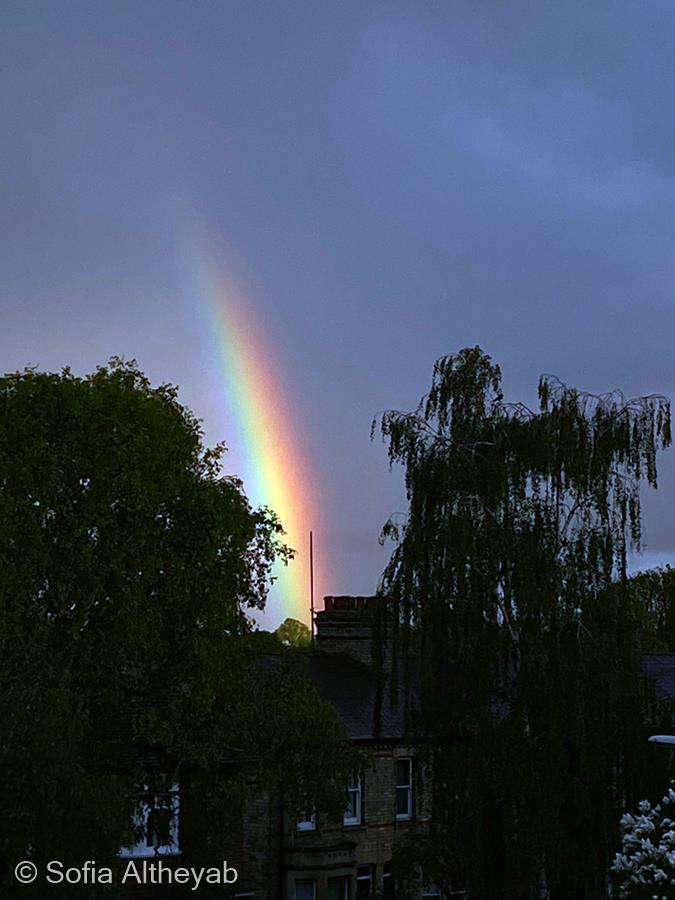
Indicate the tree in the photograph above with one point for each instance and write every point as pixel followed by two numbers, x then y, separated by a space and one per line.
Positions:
pixel 129 566
pixel 503 592
pixel 294 633
pixel 654 594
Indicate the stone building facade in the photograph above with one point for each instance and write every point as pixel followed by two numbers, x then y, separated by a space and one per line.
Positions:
pixel 318 859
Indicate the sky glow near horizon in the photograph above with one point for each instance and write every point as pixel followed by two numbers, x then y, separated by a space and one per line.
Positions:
pixel 380 183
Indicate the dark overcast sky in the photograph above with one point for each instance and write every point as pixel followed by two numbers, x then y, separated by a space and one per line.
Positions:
pixel 393 180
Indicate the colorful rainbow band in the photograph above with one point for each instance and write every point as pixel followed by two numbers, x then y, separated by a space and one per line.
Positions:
pixel 261 432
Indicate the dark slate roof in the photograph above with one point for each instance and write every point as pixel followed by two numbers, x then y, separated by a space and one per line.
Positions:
pixel 351 687
pixel 661 667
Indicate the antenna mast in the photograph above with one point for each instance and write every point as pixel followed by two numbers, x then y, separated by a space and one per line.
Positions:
pixel 311 584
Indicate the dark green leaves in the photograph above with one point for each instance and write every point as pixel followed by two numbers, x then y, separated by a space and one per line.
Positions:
pixel 503 593
pixel 129 565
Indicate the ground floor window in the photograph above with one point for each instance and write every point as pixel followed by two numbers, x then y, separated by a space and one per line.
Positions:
pixel 305 889
pixel 387 882
pixel 306 822
pixel 338 888
pixel 156 818
pixel 365 886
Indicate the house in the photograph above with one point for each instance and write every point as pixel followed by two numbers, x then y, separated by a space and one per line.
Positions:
pixel 315 859
pixel 660 669
pixel 319 859
pixel 279 857
pixel 276 856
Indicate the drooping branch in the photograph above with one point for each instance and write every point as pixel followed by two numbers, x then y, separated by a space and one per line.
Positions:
pixel 518 525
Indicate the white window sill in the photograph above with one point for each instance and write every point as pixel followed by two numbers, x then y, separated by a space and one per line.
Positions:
pixel 149 852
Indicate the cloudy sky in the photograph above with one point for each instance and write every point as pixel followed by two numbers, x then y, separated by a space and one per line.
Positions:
pixel 386 182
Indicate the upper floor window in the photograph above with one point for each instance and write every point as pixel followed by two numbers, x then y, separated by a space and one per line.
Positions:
pixel 352 814
pixel 404 798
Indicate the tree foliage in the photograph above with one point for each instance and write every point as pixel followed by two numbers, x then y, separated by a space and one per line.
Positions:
pixel 129 566
pixel 653 593
pixel 503 591
pixel 294 633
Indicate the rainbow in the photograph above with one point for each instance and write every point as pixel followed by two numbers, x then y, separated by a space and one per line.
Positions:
pixel 261 430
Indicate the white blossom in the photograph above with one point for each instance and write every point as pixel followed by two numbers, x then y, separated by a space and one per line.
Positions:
pixel 645 867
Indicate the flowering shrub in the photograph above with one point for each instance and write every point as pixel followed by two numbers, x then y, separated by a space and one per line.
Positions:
pixel 645 868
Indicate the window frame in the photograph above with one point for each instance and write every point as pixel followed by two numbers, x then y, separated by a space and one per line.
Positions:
pixel 311 881
pixel 345 885
pixel 387 882
pixel 144 806
pixel 354 788
pixel 306 824
pixel 370 878
pixel 407 787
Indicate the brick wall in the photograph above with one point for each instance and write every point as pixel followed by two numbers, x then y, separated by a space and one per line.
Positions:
pixel 345 625
pixel 314 854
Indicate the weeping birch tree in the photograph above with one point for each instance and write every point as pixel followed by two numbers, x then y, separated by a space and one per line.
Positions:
pixel 503 596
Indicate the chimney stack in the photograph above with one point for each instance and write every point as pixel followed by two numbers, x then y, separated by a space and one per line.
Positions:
pixel 345 625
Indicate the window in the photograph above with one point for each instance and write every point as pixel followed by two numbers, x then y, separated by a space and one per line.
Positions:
pixel 338 888
pixel 404 806
pixel 352 814
pixel 306 822
pixel 364 882
pixel 305 889
pixel 155 822
pixel 431 891
pixel 387 882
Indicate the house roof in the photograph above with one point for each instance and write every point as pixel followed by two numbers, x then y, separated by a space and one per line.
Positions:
pixel 352 688
pixel 661 668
